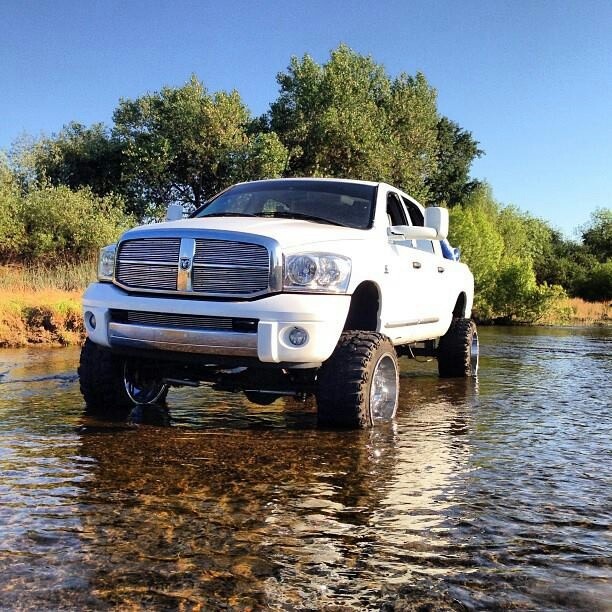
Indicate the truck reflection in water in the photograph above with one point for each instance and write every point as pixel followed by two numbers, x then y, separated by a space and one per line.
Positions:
pixel 259 508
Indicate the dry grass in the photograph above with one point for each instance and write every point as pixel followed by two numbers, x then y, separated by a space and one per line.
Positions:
pixel 42 305
pixel 574 311
pixel 38 277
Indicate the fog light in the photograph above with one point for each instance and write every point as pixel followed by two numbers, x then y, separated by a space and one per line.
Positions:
pixel 91 319
pixel 298 336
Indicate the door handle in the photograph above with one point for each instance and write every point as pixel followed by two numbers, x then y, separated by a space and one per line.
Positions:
pixel 416 264
pixel 440 269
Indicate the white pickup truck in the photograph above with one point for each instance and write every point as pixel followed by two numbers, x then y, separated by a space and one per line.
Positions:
pixel 280 287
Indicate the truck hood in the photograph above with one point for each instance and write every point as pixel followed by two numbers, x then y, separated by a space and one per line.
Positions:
pixel 289 233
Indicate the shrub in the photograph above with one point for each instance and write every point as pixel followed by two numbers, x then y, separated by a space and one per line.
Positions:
pixel 12 229
pixel 595 284
pixel 65 224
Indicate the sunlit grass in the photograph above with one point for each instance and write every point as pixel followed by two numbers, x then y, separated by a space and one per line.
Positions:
pixel 574 311
pixel 42 305
pixel 40 277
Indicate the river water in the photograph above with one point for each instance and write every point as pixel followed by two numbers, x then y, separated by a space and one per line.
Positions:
pixel 492 495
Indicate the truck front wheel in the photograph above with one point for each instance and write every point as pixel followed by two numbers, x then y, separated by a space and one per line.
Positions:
pixel 111 385
pixel 358 386
pixel 458 350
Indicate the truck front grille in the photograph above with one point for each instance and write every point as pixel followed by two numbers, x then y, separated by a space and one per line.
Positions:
pixel 218 268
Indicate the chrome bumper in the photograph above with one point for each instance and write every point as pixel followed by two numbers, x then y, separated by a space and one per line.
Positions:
pixel 183 340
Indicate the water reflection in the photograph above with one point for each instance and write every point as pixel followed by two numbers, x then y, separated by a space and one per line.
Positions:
pixel 480 496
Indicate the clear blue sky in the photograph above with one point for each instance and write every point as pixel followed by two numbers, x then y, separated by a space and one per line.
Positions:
pixel 531 79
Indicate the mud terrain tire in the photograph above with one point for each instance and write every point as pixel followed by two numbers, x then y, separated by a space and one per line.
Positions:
pixel 101 377
pixel 458 350
pixel 358 386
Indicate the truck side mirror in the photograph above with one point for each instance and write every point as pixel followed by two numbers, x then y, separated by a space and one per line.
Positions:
pixel 174 212
pixel 436 217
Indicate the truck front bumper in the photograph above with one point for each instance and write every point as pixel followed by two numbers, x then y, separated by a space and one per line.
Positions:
pixel 321 317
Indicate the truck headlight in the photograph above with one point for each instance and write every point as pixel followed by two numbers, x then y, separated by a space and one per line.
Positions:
pixel 106 263
pixel 317 272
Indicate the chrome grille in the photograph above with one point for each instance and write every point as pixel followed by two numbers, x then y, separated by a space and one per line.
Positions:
pixel 230 253
pixel 151 249
pixel 219 267
pixel 226 266
pixel 227 280
pixel 147 276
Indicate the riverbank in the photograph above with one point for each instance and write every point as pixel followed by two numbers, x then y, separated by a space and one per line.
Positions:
pixel 41 305
pixel 47 318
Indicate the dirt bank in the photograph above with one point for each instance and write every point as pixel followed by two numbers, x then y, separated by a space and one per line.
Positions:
pixel 48 318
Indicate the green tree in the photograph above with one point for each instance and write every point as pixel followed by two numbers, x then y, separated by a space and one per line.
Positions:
pixel 500 244
pixel 473 228
pixel 182 144
pixel 330 117
pixel 597 234
pixel 348 118
pixel 456 148
pixel 77 157
pixel 12 228
pixel 61 224
pixel 595 283
pixel 412 119
pixel 517 296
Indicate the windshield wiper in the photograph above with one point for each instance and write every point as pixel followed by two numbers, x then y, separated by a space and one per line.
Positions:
pixel 294 215
pixel 227 214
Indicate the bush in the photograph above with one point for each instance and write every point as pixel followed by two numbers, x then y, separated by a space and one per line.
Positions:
pixel 54 224
pixel 12 228
pixel 596 283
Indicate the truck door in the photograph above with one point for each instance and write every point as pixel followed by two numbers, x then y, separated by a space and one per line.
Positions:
pixel 407 282
pixel 432 264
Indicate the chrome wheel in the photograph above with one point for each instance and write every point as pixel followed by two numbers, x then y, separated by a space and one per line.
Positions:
pixel 474 353
pixel 384 389
pixel 142 387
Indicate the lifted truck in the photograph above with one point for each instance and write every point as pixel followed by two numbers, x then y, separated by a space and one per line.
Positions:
pixel 280 287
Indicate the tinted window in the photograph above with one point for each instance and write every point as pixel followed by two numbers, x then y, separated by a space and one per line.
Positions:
pixel 395 210
pixel 416 216
pixel 336 202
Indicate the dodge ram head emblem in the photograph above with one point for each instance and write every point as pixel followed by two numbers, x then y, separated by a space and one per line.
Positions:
pixel 185 263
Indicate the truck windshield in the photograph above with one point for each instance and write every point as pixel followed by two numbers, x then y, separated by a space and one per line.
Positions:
pixel 334 202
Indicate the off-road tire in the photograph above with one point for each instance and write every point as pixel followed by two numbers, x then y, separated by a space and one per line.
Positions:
pixel 344 381
pixel 101 378
pixel 455 350
pixel 101 381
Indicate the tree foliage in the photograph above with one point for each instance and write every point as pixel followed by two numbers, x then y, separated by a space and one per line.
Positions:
pixel 346 118
pixel 12 229
pixel 77 157
pixel 330 117
pixel 450 183
pixel 53 224
pixel 500 244
pixel 597 235
pixel 349 118
pixel 182 144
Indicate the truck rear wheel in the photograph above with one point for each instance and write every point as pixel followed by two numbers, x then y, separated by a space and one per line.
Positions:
pixel 111 386
pixel 358 386
pixel 458 350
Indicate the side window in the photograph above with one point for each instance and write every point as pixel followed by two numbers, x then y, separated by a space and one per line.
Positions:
pixel 395 210
pixel 416 216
